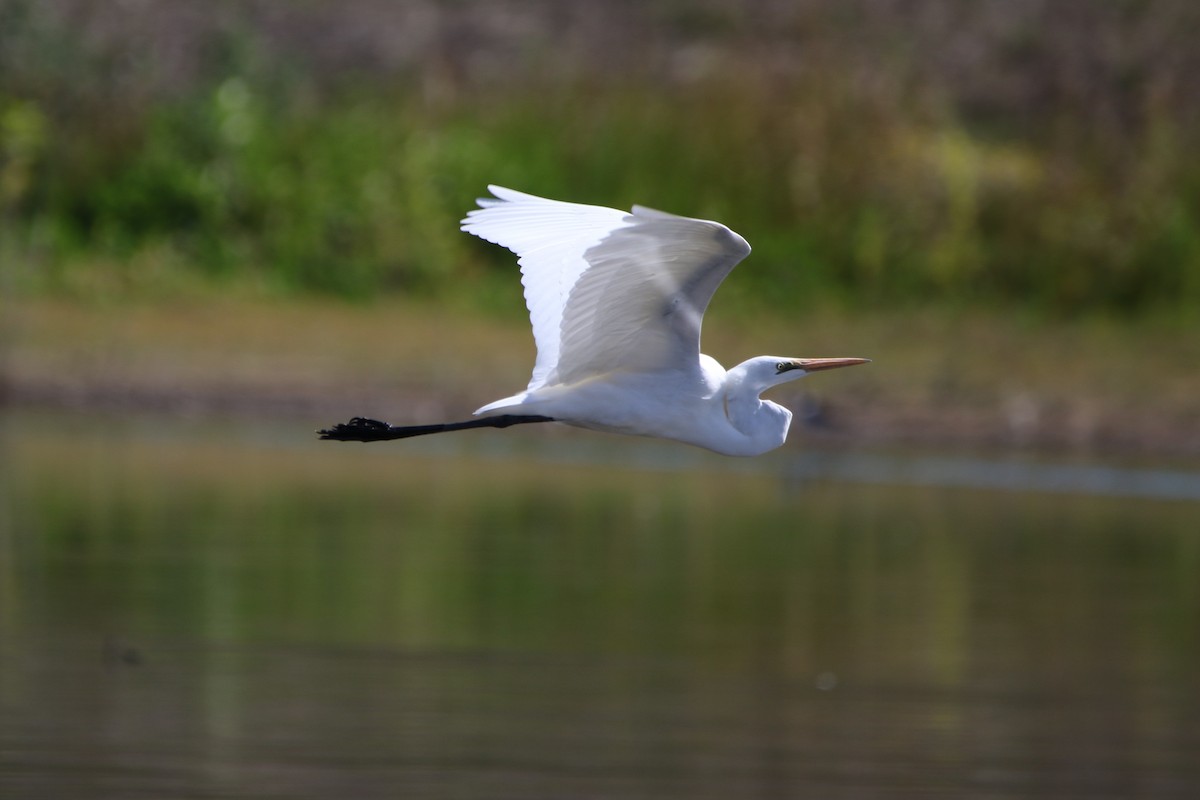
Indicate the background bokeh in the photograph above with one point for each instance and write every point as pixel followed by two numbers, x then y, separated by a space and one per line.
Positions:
pixel 1009 152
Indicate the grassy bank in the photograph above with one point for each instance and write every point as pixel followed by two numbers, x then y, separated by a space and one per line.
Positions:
pixel 939 378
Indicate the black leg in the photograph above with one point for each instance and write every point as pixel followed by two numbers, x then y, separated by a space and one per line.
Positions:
pixel 362 429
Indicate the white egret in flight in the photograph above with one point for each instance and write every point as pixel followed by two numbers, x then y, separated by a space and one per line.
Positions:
pixel 616 300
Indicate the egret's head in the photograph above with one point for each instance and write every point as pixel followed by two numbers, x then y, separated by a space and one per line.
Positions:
pixel 766 371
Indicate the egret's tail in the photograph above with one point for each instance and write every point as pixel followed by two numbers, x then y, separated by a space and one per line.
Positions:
pixel 508 403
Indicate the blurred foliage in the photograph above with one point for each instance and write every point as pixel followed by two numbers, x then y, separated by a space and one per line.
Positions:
pixel 1017 153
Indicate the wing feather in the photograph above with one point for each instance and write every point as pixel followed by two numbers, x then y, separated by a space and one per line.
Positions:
pixel 609 290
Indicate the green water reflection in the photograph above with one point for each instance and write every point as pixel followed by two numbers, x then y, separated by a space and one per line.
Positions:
pixel 194 613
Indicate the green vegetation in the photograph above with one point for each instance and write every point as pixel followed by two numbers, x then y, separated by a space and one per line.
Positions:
pixel 1053 168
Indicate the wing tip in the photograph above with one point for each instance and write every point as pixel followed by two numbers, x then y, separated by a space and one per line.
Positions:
pixel 738 243
pixel 502 196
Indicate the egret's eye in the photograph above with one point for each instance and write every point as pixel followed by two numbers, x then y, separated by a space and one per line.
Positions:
pixel 783 366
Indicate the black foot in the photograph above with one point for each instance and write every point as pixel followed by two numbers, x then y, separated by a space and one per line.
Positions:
pixel 358 429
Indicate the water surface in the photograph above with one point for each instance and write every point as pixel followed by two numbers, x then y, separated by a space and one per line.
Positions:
pixel 192 610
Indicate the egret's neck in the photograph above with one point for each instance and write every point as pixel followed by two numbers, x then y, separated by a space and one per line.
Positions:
pixel 760 420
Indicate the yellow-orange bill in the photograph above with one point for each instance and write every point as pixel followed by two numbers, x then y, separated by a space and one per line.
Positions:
pixel 817 364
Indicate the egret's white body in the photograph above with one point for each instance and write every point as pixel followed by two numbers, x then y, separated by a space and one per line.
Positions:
pixel 616 301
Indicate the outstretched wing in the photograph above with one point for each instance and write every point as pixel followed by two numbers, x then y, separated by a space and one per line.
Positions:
pixel 609 290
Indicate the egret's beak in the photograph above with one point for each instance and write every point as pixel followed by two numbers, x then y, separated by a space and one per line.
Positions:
pixel 818 364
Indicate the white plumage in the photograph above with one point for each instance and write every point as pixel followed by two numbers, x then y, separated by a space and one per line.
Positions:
pixel 616 301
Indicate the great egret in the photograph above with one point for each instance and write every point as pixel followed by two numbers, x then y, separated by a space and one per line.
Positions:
pixel 616 301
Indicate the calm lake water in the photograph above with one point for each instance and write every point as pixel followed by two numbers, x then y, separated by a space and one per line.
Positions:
pixel 189 610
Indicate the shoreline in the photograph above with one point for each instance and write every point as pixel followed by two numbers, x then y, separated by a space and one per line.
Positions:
pixel 323 362
pixel 824 420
